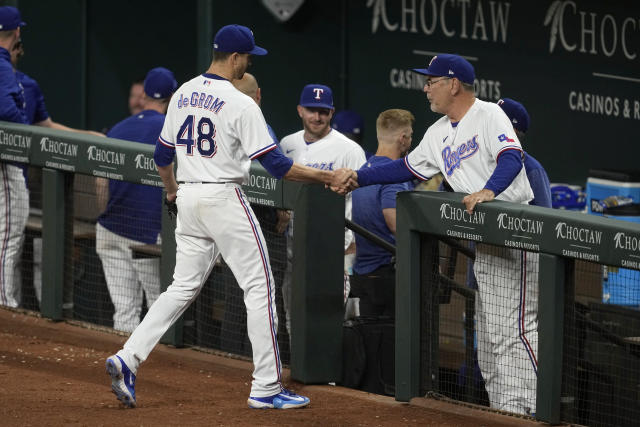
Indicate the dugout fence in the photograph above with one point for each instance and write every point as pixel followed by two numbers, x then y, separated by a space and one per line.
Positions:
pixel 63 272
pixel 588 353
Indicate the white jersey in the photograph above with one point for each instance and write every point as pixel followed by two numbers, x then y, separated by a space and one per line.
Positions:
pixel 216 131
pixel 467 153
pixel 332 152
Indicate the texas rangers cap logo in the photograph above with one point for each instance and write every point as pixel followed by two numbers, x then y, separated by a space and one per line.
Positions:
pixel 318 91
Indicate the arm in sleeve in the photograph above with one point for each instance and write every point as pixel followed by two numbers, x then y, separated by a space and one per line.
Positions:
pixel 508 167
pixel 164 153
pixel 388 203
pixel 541 187
pixel 10 111
pixel 388 173
pixel 275 162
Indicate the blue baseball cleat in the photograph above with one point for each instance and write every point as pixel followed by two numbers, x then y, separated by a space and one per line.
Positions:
pixel 284 400
pixel 123 381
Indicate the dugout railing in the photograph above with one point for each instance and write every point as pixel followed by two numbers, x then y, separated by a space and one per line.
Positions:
pixel 317 310
pixel 316 336
pixel 426 220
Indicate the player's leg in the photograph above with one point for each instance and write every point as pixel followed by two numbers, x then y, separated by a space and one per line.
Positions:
pixel 485 331
pixel 148 274
pixel 515 341
pixel 521 338
pixel 195 257
pixel 14 206
pixel 243 247
pixel 126 295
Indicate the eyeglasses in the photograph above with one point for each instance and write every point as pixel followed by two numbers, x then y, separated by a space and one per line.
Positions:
pixel 430 83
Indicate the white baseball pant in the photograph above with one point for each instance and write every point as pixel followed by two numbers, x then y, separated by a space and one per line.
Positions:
pixel 14 204
pixel 126 277
pixel 507 326
pixel 214 220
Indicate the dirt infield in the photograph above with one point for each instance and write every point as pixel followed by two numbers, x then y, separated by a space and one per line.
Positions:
pixel 53 374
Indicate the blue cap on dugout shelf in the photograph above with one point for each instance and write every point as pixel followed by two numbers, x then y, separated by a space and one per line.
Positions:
pixel 449 65
pixel 348 121
pixel 10 18
pixel 236 38
pixel 316 95
pixel 516 113
pixel 160 83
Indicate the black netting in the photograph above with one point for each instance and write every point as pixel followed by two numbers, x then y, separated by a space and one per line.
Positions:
pixel 601 370
pixel 496 297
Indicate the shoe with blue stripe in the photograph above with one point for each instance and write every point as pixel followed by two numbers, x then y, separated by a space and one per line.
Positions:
pixel 284 400
pixel 123 381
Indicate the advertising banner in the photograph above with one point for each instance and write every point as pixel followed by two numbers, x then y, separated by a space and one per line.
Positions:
pixel 565 233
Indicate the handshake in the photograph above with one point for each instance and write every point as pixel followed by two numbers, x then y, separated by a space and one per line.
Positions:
pixel 343 181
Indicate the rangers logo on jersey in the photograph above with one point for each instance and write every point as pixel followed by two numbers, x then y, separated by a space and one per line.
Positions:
pixel 452 158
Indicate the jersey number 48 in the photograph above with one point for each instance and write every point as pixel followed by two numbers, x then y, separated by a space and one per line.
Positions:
pixel 204 140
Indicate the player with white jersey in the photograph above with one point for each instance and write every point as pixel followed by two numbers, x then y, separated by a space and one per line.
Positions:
pixel 215 131
pixel 476 149
pixel 319 146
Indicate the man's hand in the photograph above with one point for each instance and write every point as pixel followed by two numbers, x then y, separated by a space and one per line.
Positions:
pixel 172 207
pixel 283 220
pixel 470 201
pixel 344 180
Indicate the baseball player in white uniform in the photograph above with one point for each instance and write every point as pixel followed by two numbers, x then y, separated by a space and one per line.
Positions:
pixel 319 146
pixel 215 131
pixel 476 149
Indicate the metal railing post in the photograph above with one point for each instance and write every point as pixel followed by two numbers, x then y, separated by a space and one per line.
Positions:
pixel 550 337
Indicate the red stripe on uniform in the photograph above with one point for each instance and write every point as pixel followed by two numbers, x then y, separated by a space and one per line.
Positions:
pixel 525 340
pixel 274 340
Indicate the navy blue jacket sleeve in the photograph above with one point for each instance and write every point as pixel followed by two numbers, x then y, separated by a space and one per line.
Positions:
pixel 11 98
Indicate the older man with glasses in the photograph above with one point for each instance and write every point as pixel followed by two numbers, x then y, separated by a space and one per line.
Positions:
pixel 476 148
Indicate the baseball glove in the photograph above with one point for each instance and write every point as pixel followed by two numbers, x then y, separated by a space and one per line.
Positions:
pixel 172 208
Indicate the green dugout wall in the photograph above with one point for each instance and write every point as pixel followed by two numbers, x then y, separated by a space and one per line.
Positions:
pixel 573 64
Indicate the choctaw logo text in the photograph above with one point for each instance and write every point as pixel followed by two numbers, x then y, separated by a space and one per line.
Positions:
pixel 263 182
pixel 591 33
pixel 452 158
pixel 626 242
pixel 48 145
pixel 578 234
pixel 12 140
pixel 458 214
pixel 461 215
pixel 105 156
pixel 524 225
pixel 486 21
pixel 144 162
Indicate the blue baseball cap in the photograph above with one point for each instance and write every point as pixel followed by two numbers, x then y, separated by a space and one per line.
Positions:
pixel 10 18
pixel 347 121
pixel 516 113
pixel 236 38
pixel 160 83
pixel 448 65
pixel 316 95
